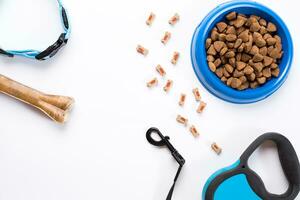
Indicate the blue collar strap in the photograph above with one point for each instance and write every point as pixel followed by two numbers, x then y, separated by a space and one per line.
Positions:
pixel 51 50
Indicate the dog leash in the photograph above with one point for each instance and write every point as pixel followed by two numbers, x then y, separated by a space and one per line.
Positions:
pixel 165 142
pixel 223 184
pixel 51 50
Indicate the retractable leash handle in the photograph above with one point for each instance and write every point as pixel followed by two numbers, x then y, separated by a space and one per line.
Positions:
pixel 240 182
pixel 289 162
pixel 165 142
pixel 51 50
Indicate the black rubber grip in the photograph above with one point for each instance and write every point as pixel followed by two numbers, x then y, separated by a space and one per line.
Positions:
pixel 289 162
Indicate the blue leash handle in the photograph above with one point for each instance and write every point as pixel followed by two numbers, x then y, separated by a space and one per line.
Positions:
pixel 51 50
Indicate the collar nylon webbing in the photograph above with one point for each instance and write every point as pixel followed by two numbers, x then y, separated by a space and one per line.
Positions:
pixel 51 50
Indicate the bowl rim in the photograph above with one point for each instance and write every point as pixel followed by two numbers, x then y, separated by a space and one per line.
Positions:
pixel 213 83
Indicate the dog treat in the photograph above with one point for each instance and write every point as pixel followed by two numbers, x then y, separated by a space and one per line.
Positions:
pixel 142 50
pixel 194 131
pixel 175 58
pixel 150 19
pixel 152 83
pixel 166 37
pixel 197 94
pixel 244 52
pixel 174 19
pixel 182 99
pixel 55 107
pixel 216 148
pixel 182 120
pixel 201 107
pixel 160 70
pixel 168 85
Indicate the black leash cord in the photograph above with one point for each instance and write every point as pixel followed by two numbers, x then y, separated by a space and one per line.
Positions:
pixel 169 197
pixel 165 142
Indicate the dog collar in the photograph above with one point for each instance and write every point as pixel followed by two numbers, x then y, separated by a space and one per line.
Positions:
pixel 51 50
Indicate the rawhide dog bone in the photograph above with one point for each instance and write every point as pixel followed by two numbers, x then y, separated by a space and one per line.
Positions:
pixel 55 107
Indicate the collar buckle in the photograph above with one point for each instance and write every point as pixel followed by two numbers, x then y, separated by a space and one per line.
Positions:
pixel 53 49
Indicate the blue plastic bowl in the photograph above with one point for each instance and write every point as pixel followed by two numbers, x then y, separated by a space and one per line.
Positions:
pixel 210 81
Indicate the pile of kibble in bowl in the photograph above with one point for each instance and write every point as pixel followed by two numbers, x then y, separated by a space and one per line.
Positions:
pixel 244 52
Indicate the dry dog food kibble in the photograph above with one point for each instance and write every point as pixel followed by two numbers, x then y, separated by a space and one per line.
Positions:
pixel 194 131
pixel 160 70
pixel 175 58
pixel 244 52
pixel 166 37
pixel 182 99
pixel 142 50
pixel 150 19
pixel 174 19
pixel 197 94
pixel 182 120
pixel 216 148
pixel 168 85
pixel 152 83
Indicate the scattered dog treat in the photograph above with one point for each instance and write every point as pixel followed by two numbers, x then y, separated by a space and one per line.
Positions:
pixel 142 50
pixel 197 94
pixel 221 48
pixel 168 85
pixel 166 37
pixel 150 19
pixel 244 52
pixel 174 19
pixel 182 120
pixel 216 148
pixel 152 83
pixel 194 131
pixel 182 99
pixel 160 70
pixel 201 107
pixel 175 58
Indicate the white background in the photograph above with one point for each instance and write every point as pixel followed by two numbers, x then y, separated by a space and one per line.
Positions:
pixel 102 153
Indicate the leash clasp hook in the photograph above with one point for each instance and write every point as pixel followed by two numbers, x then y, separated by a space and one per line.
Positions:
pixel 164 142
